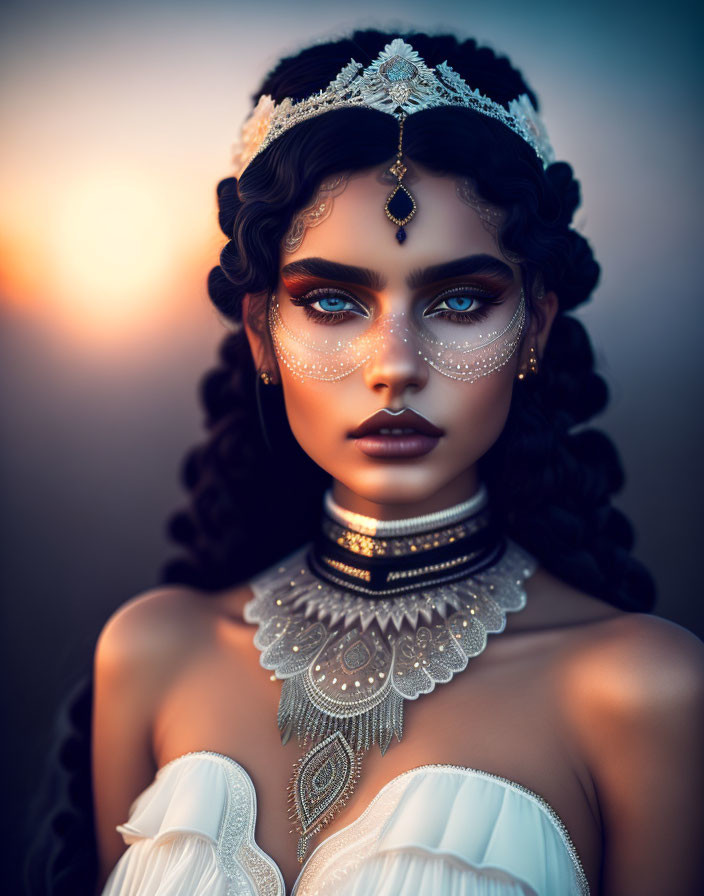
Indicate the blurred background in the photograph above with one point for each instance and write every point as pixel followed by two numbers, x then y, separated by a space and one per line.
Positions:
pixel 117 122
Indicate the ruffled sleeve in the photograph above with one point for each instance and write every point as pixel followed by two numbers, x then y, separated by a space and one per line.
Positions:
pixel 191 833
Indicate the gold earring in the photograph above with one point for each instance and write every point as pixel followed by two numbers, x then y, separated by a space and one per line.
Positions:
pixel 533 360
pixel 532 363
pixel 265 377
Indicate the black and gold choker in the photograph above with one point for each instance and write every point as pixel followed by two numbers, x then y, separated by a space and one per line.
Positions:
pixel 373 614
pixel 381 559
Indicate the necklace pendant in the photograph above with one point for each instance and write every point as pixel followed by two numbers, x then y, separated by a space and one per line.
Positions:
pixel 349 655
pixel 322 782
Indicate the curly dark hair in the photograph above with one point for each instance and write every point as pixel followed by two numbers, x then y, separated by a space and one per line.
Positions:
pixel 550 478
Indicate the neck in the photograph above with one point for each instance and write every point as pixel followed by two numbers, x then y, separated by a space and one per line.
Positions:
pixel 462 488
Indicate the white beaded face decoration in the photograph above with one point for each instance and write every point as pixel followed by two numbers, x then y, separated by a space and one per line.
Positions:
pixel 328 336
pixel 315 213
pixel 492 216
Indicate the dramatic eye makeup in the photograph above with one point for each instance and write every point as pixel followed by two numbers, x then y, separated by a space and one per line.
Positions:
pixel 459 304
pixel 330 305
pixel 463 304
pixel 308 282
pixel 465 317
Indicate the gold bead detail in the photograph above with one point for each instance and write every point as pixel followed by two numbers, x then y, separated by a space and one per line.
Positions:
pixel 533 360
pixel 532 364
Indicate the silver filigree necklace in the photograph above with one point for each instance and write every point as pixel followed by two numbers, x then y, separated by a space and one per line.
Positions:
pixel 369 615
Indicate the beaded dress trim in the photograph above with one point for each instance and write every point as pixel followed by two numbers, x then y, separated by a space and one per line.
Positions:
pixel 371 821
pixel 244 863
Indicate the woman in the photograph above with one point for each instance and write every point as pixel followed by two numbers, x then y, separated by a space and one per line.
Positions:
pixel 402 263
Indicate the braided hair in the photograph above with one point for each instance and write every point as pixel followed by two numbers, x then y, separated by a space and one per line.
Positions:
pixel 550 478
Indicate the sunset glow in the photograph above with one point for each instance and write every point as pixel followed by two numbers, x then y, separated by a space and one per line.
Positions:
pixel 110 248
pixel 106 253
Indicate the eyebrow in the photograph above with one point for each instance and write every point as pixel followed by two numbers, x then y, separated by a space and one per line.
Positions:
pixel 323 269
pixel 461 267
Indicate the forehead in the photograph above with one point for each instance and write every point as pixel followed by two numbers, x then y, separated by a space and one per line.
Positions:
pixel 357 231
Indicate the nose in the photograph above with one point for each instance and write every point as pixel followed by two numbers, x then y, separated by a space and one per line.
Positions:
pixel 396 365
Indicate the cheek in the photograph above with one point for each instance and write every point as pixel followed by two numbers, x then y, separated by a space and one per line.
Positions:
pixel 472 414
pixel 479 412
pixel 311 408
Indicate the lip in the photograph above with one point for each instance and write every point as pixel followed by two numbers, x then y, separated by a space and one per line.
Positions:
pixel 419 437
pixel 388 419
pixel 411 445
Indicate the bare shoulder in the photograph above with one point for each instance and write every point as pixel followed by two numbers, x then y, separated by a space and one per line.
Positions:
pixel 614 650
pixel 640 661
pixel 635 682
pixel 157 627
pixel 166 624
pixel 139 650
pixel 615 667
pixel 635 696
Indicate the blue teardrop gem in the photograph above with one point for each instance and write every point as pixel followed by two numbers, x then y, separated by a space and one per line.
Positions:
pixel 401 235
pixel 400 205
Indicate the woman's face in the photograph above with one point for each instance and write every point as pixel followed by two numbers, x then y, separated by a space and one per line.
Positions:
pixel 361 323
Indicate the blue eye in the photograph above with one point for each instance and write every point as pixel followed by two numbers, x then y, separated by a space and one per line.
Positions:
pixel 326 307
pixel 459 303
pixel 334 303
pixel 462 305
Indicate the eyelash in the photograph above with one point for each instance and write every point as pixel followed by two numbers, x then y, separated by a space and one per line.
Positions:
pixel 335 317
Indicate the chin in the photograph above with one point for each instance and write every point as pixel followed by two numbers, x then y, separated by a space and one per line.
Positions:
pixel 394 483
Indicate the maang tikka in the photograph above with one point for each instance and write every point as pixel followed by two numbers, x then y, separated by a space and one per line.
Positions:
pixel 399 83
pixel 401 204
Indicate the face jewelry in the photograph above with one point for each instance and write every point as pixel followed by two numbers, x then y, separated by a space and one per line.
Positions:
pixel 356 624
pixel 401 204
pixel 315 213
pixel 265 377
pixel 492 216
pixel 323 352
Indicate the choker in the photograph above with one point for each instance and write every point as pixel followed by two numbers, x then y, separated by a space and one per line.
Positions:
pixel 370 614
pixel 380 558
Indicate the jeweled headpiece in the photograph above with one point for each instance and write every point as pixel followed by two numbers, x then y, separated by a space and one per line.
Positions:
pixel 397 82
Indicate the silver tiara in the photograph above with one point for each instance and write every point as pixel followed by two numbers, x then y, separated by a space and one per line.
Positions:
pixel 399 83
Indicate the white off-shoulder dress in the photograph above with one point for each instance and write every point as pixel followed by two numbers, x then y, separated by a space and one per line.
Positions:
pixel 436 830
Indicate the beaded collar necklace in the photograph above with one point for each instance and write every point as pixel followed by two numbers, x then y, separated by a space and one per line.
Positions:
pixel 371 614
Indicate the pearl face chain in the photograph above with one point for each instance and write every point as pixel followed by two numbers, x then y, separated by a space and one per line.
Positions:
pixel 329 352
